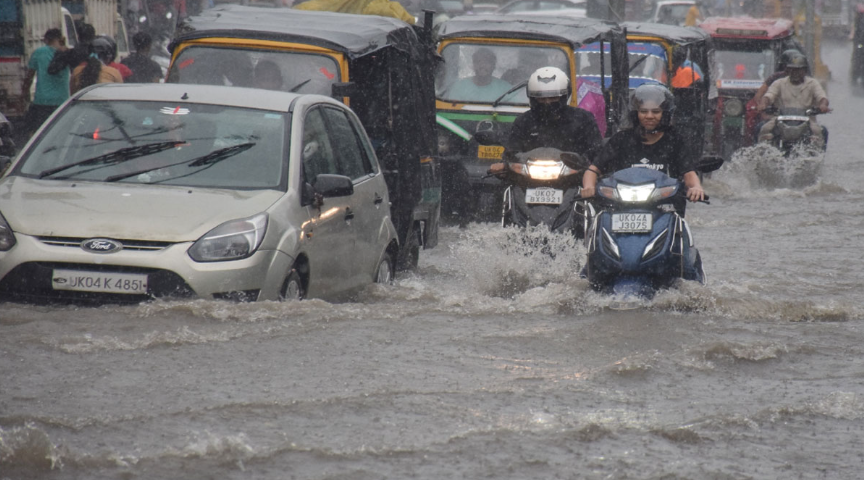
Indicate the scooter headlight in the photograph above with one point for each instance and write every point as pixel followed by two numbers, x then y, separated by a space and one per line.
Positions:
pixel 608 192
pixel 635 193
pixel 545 169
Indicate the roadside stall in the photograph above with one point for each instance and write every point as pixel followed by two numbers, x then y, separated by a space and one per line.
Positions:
pixel 514 48
pixel 381 67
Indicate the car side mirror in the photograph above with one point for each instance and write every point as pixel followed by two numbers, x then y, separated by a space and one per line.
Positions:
pixel 709 163
pixel 343 89
pixel 329 186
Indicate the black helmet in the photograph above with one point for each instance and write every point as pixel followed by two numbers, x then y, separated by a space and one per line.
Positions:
pixel 652 95
pixel 104 49
pixel 796 60
pixel 784 58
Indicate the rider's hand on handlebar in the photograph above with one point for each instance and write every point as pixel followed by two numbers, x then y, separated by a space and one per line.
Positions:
pixel 588 192
pixel 696 194
pixel 824 109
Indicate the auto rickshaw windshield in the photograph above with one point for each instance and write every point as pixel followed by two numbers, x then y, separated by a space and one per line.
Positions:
pixel 286 71
pixel 744 64
pixel 480 73
pixel 647 63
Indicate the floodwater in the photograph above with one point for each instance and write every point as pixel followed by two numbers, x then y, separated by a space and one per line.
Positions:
pixel 491 361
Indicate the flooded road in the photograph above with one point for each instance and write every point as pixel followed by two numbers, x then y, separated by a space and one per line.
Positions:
pixel 492 361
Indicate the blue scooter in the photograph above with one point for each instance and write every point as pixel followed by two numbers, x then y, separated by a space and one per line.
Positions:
pixel 638 241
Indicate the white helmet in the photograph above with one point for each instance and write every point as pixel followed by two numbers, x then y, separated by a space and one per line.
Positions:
pixel 548 82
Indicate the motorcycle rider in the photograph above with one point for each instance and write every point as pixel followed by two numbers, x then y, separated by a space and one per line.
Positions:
pixel 551 122
pixel 797 90
pixel 653 142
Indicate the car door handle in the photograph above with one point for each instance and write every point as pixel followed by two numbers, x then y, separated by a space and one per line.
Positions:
pixel 378 199
pixel 349 214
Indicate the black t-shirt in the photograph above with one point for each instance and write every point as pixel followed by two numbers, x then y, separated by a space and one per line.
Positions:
pixel 574 131
pixel 144 69
pixel 670 155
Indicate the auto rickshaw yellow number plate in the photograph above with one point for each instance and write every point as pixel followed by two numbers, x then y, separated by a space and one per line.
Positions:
pixel 490 152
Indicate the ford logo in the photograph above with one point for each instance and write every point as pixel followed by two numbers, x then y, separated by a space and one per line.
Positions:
pixel 101 245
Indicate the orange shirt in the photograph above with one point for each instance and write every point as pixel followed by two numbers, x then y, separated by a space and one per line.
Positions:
pixel 106 75
pixel 684 77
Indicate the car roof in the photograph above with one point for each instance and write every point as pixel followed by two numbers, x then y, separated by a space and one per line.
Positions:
pixel 672 33
pixel 571 30
pixel 745 27
pixel 204 94
pixel 675 2
pixel 354 35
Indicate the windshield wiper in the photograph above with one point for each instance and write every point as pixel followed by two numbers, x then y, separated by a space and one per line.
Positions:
pixel 637 63
pixel 508 92
pixel 115 157
pixel 297 87
pixel 204 160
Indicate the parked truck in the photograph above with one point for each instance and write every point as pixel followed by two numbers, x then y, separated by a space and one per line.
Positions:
pixel 23 24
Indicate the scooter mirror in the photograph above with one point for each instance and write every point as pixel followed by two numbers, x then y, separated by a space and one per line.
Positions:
pixel 575 161
pixel 709 163
pixel 488 137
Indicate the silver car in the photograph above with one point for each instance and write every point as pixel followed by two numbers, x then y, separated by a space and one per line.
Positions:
pixel 137 191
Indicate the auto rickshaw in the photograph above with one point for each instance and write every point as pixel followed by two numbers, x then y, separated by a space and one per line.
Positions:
pixel 747 51
pixel 678 57
pixel 379 66
pixel 516 47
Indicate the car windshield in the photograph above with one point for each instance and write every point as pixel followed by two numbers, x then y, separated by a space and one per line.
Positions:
pixel 273 70
pixel 539 5
pixel 744 64
pixel 163 143
pixel 673 14
pixel 474 73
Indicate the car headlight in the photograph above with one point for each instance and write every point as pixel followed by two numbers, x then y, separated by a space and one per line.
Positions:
pixel 635 193
pixel 732 107
pixel 7 238
pixel 230 241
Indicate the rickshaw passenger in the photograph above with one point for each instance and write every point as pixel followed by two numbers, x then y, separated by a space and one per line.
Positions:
pixel 551 122
pixel 482 87
pixel 267 76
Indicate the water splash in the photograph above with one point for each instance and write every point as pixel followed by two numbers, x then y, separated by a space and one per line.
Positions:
pixel 764 167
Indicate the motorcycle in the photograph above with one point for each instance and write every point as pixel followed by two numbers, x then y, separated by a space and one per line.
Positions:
pixel 792 127
pixel 638 241
pixel 541 187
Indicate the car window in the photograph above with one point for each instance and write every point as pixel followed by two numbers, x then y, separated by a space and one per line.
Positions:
pixel 318 155
pixel 353 160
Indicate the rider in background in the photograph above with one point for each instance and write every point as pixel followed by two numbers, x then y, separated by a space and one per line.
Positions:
pixel 797 90
pixel 777 75
pixel 653 143
pixel 551 121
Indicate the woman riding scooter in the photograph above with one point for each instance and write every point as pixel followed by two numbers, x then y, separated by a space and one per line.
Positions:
pixel 653 143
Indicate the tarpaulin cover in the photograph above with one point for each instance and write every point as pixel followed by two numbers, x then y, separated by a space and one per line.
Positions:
pixel 384 8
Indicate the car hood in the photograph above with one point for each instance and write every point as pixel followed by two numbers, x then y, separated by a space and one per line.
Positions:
pixel 123 211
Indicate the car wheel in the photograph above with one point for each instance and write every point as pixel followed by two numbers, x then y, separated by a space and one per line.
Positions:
pixel 385 272
pixel 292 290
